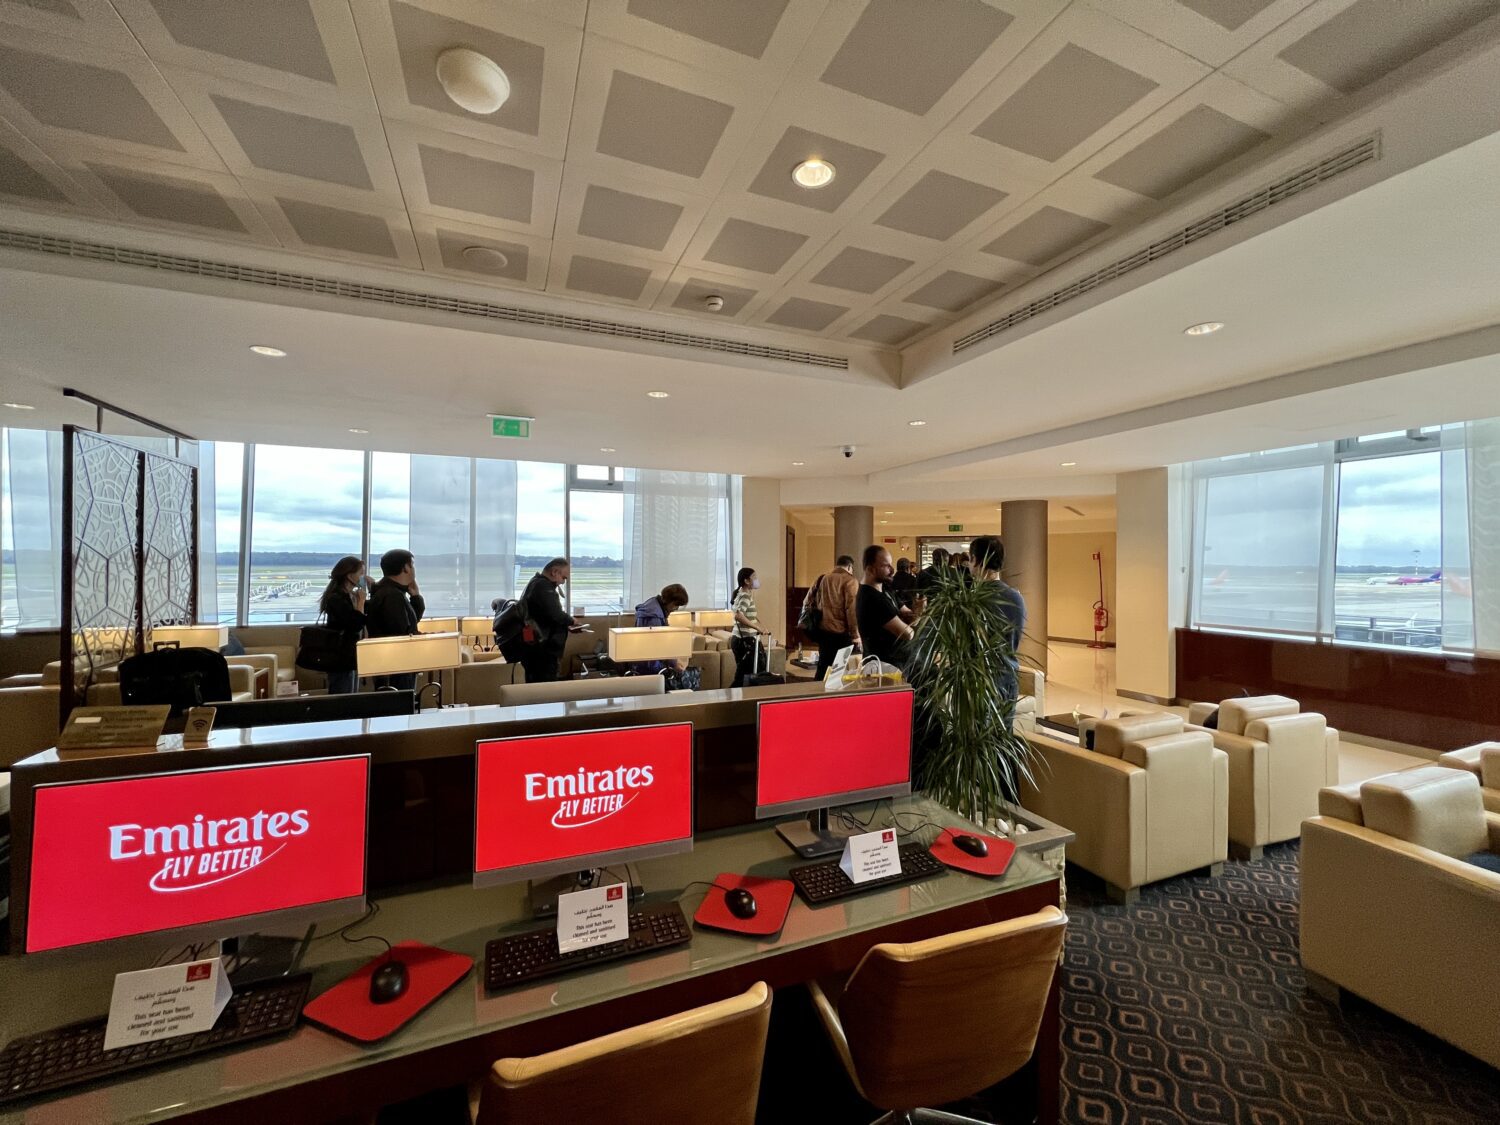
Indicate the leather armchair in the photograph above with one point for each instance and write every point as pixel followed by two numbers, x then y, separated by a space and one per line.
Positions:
pixel 713 657
pixel 1150 801
pixel 1033 699
pixel 1483 761
pixel 1383 876
pixel 479 684
pixel 1279 758
pixel 29 720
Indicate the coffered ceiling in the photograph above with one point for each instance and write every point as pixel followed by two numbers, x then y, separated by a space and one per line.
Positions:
pixel 644 156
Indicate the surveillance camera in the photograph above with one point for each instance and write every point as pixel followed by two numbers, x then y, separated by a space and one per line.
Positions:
pixel 848 451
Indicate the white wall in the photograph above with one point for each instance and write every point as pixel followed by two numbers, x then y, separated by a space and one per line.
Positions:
pixel 1149 581
pixel 1073 584
pixel 763 540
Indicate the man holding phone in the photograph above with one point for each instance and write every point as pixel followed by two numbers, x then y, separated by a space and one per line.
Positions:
pixel 395 607
pixel 539 641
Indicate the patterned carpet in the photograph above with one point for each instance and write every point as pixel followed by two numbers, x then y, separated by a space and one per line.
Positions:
pixel 1190 1006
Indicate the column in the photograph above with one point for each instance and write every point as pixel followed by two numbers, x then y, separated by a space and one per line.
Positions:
pixel 1148 583
pixel 1023 527
pixel 853 531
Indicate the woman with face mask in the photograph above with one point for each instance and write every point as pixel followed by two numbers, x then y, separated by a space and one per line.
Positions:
pixel 746 625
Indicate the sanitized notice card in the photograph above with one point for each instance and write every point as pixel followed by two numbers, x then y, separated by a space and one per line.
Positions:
pixel 871 855
pixel 593 917
pixel 166 1002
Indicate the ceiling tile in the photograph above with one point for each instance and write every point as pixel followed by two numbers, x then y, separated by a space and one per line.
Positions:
pixel 1371 38
pixel 277 141
pixel 171 200
pixel 56 7
pixel 939 206
pixel 280 34
pixel 1228 14
pixel 660 126
pixel 1070 99
pixel 335 228
pixel 421 36
pixel 695 289
pixel 19 178
pixel 90 99
pixel 1044 235
pixel 851 164
pixel 750 246
pixel 953 291
pixel 1192 146
pixel 608 279
pixel 473 184
pixel 861 271
pixel 888 329
pixel 735 25
pixel 451 244
pixel 620 216
pixel 908 55
pixel 813 316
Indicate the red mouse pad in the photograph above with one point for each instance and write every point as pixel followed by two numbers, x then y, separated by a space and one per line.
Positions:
pixel 346 1008
pixel 773 898
pixel 1001 852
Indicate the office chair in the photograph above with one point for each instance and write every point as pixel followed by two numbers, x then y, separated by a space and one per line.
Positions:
pixel 945 1018
pixel 699 1065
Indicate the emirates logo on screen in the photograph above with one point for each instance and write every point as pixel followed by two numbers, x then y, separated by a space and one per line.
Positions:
pixel 207 850
pixel 588 796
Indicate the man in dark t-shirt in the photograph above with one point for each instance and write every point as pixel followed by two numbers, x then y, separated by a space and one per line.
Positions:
pixel 883 625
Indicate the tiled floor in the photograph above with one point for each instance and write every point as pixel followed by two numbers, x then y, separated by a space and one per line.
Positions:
pixel 1083 677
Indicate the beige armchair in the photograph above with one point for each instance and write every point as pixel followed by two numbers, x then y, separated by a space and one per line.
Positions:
pixel 479 684
pixel 29 720
pixel 1483 761
pixel 1033 700
pixel 1385 883
pixel 1150 801
pixel 1279 757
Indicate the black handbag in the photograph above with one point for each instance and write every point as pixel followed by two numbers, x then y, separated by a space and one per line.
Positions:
pixel 810 620
pixel 325 650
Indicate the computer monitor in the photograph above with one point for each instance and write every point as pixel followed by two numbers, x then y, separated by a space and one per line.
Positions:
pixel 558 804
pixel 205 853
pixel 314 708
pixel 838 748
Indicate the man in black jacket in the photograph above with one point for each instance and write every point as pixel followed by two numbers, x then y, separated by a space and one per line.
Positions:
pixel 395 607
pixel 542 606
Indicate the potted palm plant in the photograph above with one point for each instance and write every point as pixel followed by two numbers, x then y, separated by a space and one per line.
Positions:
pixel 970 758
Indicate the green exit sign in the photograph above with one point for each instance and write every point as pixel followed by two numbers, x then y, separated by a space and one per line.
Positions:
pixel 501 426
pixel 955 527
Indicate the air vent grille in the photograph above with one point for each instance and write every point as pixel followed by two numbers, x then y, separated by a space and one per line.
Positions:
pixel 1283 189
pixel 405 298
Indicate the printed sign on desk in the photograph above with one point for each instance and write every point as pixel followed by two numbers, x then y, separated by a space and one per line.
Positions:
pixel 593 917
pixel 166 1002
pixel 871 855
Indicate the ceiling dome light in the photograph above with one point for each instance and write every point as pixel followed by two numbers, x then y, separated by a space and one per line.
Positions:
pixel 657 394
pixel 1207 328
pixel 18 405
pixel 814 172
pixel 798 464
pixel 916 422
pixel 1069 464
pixel 266 349
pixel 354 431
pixel 472 81
pixel 485 258
pixel 606 449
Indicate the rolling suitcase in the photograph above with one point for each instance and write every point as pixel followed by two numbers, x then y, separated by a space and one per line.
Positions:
pixel 756 678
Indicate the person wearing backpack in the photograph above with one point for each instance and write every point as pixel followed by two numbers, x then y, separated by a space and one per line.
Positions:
pixel 534 632
pixel 836 593
pixel 343 605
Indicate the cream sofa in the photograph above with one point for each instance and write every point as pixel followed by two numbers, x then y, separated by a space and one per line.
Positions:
pixel 1150 801
pixel 1386 893
pixel 29 721
pixel 1279 757
pixel 1032 703
pixel 280 642
pixel 478 684
pixel 1483 761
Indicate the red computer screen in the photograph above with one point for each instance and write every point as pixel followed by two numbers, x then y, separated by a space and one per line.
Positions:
pixel 125 856
pixel 549 798
pixel 832 745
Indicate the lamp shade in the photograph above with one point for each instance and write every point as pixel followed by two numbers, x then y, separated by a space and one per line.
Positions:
pixel 680 619
pixel 438 625
pixel 714 618
pixel 656 642
pixel 421 652
pixel 476 626
pixel 191 636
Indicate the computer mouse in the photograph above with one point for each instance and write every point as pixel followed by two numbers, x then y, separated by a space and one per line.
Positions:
pixel 741 903
pixel 389 982
pixel 971 845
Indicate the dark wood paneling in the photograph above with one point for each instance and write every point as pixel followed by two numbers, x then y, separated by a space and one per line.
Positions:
pixel 1422 698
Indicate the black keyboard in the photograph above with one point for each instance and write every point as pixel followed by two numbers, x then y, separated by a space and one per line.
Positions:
pixel 531 956
pixel 66 1056
pixel 818 883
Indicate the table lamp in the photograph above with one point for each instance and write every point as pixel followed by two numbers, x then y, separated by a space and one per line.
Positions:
pixel 438 625
pixel 421 652
pixel 713 618
pixel 680 619
pixel 212 637
pixel 653 642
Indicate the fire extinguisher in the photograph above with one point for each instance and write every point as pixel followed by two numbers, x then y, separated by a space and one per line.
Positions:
pixel 1101 612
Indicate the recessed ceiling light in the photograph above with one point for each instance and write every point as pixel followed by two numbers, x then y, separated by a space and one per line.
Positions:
pixel 606 449
pixel 352 430
pixel 885 521
pixel 916 422
pixel 266 349
pixel 798 464
pixel 889 513
pixel 472 81
pixel 1069 464
pixel 20 406
pixel 485 258
pixel 814 172
pixel 1207 328
pixel 657 394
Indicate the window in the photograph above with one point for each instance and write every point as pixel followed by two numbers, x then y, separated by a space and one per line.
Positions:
pixel 596 530
pixel 307 512
pixel 541 531
pixel 228 479
pixel 30 537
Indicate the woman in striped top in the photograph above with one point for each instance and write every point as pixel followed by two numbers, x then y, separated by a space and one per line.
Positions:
pixel 746 625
